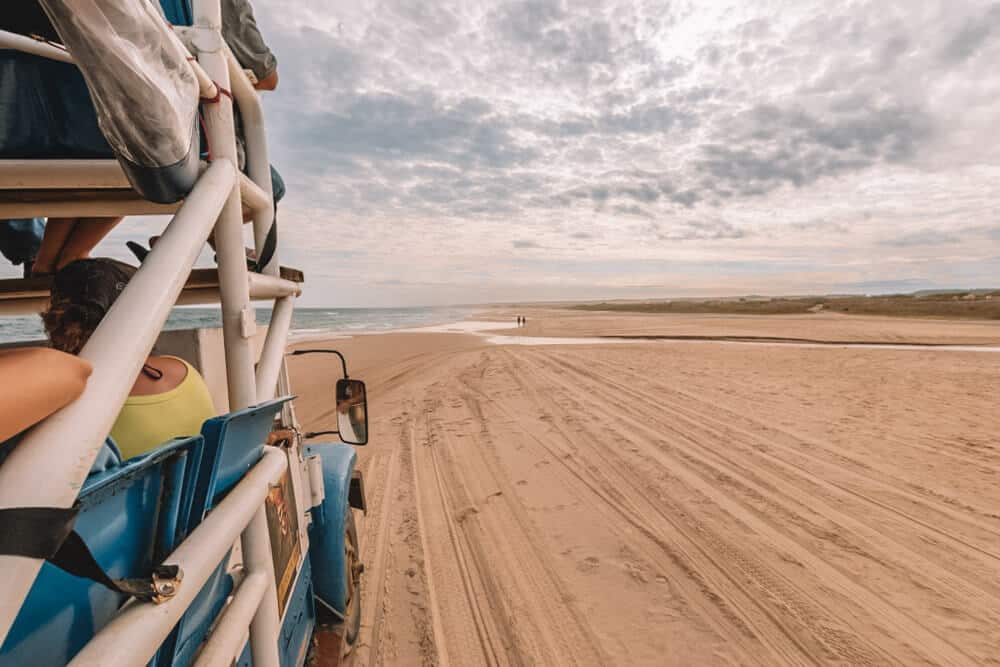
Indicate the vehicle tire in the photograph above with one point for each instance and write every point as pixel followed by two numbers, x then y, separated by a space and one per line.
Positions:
pixel 352 603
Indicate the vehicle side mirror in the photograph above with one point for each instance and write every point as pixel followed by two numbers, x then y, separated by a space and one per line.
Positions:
pixel 352 411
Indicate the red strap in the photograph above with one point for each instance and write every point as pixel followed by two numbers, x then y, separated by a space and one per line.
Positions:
pixel 219 91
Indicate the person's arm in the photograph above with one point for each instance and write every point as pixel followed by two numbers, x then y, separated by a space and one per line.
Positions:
pixel 34 383
pixel 239 29
pixel 269 82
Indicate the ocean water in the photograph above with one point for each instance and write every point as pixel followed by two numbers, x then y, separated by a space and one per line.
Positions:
pixel 306 322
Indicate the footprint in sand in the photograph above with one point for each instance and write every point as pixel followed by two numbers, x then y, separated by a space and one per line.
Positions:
pixel 588 564
pixel 464 513
pixel 637 572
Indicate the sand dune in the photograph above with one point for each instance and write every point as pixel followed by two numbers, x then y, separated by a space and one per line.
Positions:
pixel 663 504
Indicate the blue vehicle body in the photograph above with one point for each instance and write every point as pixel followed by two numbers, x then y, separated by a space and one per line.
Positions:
pixel 134 514
pixel 327 529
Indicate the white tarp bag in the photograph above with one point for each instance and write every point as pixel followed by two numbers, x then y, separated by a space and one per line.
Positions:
pixel 143 89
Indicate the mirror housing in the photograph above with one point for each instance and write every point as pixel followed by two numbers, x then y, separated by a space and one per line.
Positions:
pixel 352 411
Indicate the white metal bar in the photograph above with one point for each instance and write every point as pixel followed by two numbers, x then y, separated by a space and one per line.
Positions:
pixel 253 195
pixel 12 40
pixel 49 174
pixel 262 288
pixel 258 162
pixel 49 465
pixel 225 643
pixel 31 305
pixel 266 623
pixel 238 319
pixel 135 634
pixel 272 287
pixel 273 353
pixel 54 175
pixel 206 87
pixel 68 208
pixel 288 417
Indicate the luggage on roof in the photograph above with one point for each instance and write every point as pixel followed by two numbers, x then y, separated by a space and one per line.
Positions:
pixel 142 94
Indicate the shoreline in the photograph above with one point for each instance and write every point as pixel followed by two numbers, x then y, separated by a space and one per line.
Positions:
pixel 504 332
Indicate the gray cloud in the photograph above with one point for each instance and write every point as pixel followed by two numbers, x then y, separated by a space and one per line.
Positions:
pixel 392 127
pixel 926 237
pixel 452 132
pixel 974 32
pixel 768 146
pixel 697 230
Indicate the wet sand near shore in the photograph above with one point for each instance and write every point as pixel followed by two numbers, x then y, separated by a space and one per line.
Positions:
pixel 660 503
pixel 814 326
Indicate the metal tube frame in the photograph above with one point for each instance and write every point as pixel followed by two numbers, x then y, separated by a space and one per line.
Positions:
pixel 16 42
pixel 135 634
pixel 258 163
pixel 225 644
pixel 68 208
pixel 53 459
pixel 272 356
pixel 262 288
pixel 78 430
pixel 238 320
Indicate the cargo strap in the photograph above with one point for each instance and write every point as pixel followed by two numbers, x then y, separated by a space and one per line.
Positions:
pixel 270 244
pixel 47 533
pixel 219 92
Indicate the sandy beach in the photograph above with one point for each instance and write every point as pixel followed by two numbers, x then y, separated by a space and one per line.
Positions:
pixel 666 503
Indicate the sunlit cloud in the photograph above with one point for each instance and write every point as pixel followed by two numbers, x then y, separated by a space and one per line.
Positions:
pixel 464 152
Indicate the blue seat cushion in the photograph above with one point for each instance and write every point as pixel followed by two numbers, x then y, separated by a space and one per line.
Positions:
pixel 128 518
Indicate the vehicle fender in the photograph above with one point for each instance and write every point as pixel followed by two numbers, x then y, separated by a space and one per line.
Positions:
pixel 326 533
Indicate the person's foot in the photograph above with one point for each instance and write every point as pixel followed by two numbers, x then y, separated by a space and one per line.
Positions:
pixel 37 270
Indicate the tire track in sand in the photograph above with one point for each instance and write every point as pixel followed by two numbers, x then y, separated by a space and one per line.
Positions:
pixel 709 486
pixel 522 611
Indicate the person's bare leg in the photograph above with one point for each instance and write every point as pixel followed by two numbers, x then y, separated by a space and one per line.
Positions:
pixel 57 232
pixel 86 234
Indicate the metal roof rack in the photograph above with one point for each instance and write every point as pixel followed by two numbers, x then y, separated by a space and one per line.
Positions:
pixel 52 460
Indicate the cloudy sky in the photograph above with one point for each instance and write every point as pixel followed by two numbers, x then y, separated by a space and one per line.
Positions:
pixel 442 152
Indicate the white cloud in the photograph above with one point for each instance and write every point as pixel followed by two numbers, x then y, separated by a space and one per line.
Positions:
pixel 467 151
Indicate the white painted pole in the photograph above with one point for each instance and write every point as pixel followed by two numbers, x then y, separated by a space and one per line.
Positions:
pixel 225 643
pixel 135 634
pixel 238 318
pixel 53 459
pixel 273 353
pixel 12 40
pixel 263 286
pixel 258 162
pixel 25 44
pixel 70 208
pixel 266 623
pixel 17 174
pixel 253 195
pixel 288 417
